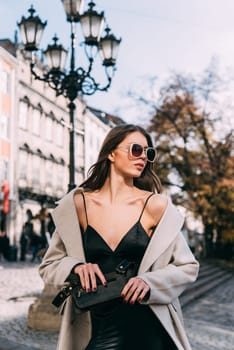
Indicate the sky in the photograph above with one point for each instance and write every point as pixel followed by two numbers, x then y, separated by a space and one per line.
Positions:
pixel 158 37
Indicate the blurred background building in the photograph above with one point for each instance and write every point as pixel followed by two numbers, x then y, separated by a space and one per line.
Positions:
pixel 34 138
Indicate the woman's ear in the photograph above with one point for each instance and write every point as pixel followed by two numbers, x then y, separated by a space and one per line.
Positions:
pixel 111 157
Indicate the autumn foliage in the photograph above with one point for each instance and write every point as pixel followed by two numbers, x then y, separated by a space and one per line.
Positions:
pixel 195 156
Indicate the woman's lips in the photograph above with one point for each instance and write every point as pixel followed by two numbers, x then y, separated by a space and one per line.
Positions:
pixel 140 165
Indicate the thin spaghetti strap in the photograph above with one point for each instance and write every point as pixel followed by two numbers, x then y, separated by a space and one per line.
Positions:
pixel 85 208
pixel 145 205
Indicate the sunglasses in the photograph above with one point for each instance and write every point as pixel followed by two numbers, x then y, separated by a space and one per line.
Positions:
pixel 135 151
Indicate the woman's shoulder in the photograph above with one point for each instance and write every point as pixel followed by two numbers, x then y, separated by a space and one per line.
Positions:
pixel 157 204
pixel 69 199
pixel 79 198
pixel 83 198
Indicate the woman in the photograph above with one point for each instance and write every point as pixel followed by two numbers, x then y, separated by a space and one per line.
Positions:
pixel 119 214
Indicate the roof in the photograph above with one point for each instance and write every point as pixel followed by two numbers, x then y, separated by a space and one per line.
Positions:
pixel 106 118
pixel 9 46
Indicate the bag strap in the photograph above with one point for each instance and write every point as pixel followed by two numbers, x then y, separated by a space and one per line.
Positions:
pixel 62 296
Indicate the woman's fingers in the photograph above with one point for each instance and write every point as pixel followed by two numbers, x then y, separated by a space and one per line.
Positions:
pixel 143 294
pixel 100 275
pixel 134 290
pixel 80 273
pixel 93 280
pixel 88 273
pixel 94 272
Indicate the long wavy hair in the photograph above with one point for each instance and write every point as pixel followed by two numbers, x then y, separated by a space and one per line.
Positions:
pixel 99 171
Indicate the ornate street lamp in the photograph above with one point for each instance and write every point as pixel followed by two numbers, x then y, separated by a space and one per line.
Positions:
pixel 77 81
pixel 31 29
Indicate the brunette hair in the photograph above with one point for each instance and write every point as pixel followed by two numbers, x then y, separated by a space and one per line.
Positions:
pixel 99 171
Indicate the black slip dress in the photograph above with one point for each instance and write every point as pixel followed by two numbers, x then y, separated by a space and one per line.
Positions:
pixel 117 325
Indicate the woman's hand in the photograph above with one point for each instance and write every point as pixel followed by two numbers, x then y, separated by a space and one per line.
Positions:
pixel 134 290
pixel 87 273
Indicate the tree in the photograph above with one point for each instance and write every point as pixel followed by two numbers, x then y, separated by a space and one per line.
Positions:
pixel 193 155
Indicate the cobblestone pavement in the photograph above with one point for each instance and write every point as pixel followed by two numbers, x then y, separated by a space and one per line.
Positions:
pixel 209 321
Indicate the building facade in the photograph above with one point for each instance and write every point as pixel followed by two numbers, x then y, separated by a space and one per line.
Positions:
pixel 43 128
pixel 34 156
pixel 8 68
pixel 34 141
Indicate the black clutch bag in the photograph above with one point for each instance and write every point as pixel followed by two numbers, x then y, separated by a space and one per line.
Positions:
pixel 83 300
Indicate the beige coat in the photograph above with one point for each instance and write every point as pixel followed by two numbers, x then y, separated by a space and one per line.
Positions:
pixel 168 266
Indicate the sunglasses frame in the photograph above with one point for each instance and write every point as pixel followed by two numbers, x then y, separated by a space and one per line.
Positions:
pixel 144 150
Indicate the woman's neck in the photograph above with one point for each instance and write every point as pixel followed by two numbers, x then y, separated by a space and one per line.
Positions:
pixel 117 188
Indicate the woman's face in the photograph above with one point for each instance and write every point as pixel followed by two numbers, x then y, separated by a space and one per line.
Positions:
pixel 123 162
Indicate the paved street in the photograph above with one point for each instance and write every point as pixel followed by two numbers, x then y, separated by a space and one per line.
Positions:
pixel 209 321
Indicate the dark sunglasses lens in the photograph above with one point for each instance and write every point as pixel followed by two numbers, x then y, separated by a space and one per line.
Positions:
pixel 137 150
pixel 151 154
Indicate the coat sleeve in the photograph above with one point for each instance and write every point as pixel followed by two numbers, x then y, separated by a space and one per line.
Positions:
pixel 56 264
pixel 168 282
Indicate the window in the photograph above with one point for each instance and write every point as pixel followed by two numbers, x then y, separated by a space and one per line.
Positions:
pixel 59 135
pixel 49 172
pixel 23 115
pixel 36 169
pixel 5 82
pixel 36 118
pixel 4 127
pixel 48 129
pixel 23 160
pixel 60 176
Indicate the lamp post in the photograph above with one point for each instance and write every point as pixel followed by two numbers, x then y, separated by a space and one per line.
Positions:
pixel 75 81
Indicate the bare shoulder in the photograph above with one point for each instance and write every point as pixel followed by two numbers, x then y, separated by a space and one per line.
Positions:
pixel 157 204
pixel 82 199
pixel 79 202
pixel 80 209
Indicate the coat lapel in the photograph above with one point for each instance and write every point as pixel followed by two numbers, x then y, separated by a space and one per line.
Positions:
pixel 168 227
pixel 67 224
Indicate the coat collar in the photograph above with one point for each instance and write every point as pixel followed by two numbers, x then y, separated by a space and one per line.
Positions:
pixel 67 224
